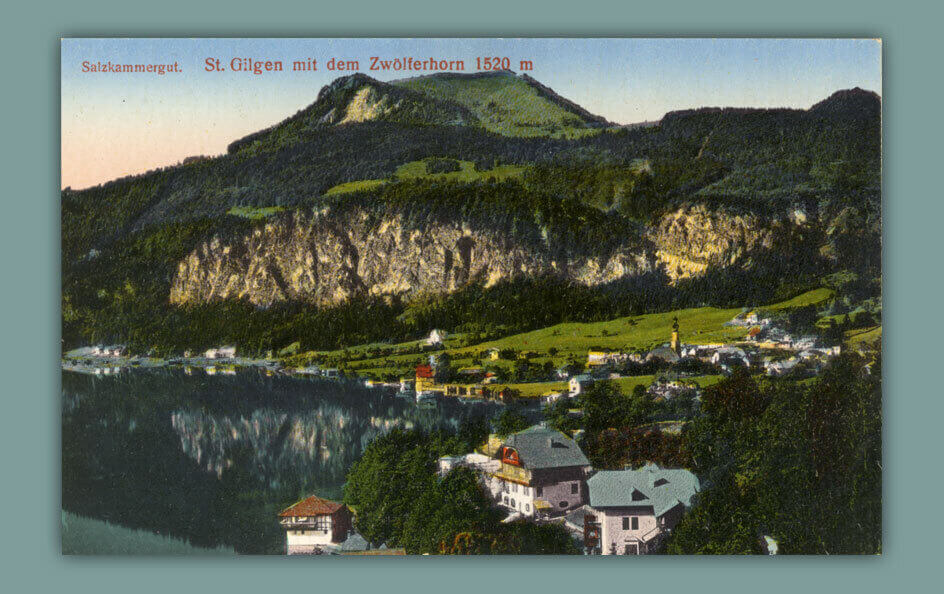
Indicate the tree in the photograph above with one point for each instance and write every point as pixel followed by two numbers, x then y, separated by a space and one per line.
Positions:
pixel 511 420
pixel 454 504
pixel 605 406
pixel 393 473
pixel 798 462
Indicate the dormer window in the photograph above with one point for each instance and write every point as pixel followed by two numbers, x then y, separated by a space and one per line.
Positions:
pixel 638 495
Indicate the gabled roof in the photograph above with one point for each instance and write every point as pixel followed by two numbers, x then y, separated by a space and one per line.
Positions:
pixel 664 353
pixel 355 542
pixel 540 447
pixel 312 506
pixel 424 371
pixel 662 488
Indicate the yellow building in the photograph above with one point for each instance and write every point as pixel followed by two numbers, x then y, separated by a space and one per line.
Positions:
pixel 595 358
pixel 425 378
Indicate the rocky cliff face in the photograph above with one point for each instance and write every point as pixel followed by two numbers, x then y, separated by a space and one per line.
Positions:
pixel 325 258
pixel 693 239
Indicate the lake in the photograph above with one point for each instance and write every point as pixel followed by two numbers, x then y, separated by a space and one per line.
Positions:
pixel 211 460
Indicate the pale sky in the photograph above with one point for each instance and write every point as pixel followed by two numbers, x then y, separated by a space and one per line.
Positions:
pixel 116 124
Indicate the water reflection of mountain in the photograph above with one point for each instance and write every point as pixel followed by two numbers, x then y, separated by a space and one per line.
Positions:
pixel 321 442
pixel 210 459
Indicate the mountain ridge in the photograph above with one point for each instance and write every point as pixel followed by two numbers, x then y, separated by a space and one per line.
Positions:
pixel 706 206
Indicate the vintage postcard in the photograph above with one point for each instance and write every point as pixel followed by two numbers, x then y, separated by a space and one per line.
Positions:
pixel 471 296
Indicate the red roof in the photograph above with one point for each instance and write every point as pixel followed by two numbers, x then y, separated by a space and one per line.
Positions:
pixel 312 506
pixel 424 371
pixel 754 331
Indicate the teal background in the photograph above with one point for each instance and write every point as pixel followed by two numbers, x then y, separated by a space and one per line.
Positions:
pixel 29 247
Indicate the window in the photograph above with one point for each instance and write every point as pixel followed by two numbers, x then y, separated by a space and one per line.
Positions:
pixel 513 504
pixel 635 523
pixel 323 523
pixel 563 504
pixel 625 523
pixel 574 488
pixel 527 507
pixel 538 491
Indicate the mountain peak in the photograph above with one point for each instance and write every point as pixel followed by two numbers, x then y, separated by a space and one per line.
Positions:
pixel 854 103
pixel 357 98
pixel 508 103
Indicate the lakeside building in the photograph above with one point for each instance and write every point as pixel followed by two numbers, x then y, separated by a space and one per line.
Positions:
pixel 314 524
pixel 425 378
pixel 117 350
pixel 632 511
pixel 223 352
pixel 542 472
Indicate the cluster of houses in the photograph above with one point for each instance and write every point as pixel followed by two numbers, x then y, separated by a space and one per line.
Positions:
pixel 542 475
pixel 223 352
pixel 812 359
pixel 314 370
pixel 538 475
pixel 762 338
pixel 118 350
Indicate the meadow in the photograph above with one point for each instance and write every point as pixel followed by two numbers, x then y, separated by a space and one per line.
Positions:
pixel 466 173
pixel 558 344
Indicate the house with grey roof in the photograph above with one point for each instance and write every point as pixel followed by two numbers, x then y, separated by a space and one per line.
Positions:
pixel 579 383
pixel 542 473
pixel 634 510
pixel 663 353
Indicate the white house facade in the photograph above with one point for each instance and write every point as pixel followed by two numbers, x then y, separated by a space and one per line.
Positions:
pixel 634 510
pixel 313 525
pixel 542 473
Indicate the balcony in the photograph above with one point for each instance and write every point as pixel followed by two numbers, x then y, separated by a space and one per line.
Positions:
pixel 310 525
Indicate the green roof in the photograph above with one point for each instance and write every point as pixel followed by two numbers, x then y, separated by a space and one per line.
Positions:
pixel 661 488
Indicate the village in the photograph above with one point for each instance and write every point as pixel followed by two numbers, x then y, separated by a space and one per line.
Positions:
pixel 762 347
pixel 539 474
pixel 765 349
pixel 542 475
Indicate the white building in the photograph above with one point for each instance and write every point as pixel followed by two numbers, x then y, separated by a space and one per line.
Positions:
pixel 634 510
pixel 314 524
pixel 477 462
pixel 731 356
pixel 224 352
pixel 436 337
pixel 542 472
pixel 579 383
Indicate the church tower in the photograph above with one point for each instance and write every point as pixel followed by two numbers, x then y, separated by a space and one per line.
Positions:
pixel 676 345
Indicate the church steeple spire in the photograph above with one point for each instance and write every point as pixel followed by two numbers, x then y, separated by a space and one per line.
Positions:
pixel 676 344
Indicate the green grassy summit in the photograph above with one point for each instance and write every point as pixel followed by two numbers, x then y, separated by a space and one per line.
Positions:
pixel 509 104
